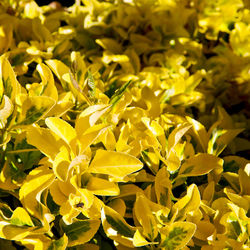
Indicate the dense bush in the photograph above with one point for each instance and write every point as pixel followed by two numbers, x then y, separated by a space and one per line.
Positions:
pixel 125 124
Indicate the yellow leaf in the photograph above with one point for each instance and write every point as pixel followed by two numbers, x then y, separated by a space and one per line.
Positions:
pixel 145 218
pixel 20 217
pixel 66 78
pixel 59 70
pixel 59 244
pixel 81 231
pixel 110 44
pixel 63 130
pixel 152 160
pixel 79 67
pixel 220 138
pixel 233 180
pixel 82 196
pixel 103 187
pixel 152 102
pixel 49 88
pixel 128 190
pixel 64 103
pixel 30 192
pixel 187 98
pixel 190 202
pixel 34 108
pixel 116 227
pixel 200 164
pixel 6 32
pixel 177 235
pixel 176 135
pixel 6 180
pixel 156 127
pixel 6 109
pixel 139 240
pixel 44 140
pixel 36 241
pixel 244 177
pixel 91 135
pixel 175 148
pixel 175 156
pixel 8 79
pixel 94 212
pixel 61 164
pixel 69 212
pixel 236 161
pixel 116 164
pixel 83 121
pixel 60 191
pixel 204 230
pixel 134 60
pixel 237 199
pixel 163 187
pixel 31 10
pixel 11 232
pixel 108 139
pixel 208 192
pixel 121 144
pixel 118 205
pixel 200 132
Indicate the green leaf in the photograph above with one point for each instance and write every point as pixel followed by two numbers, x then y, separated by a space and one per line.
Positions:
pixel 29 158
pixel 59 244
pixel 179 234
pixel 119 93
pixel 116 227
pixel 81 231
pixel 34 108
pixel 91 84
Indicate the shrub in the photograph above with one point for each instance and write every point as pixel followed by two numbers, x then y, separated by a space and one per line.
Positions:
pixel 125 124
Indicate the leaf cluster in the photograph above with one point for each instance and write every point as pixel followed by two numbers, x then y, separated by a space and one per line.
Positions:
pixel 125 124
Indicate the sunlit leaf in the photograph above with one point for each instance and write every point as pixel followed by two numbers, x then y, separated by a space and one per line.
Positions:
pixel 44 140
pixel 30 193
pixel 35 108
pixel 114 163
pixel 163 187
pixel 20 217
pixel 200 164
pixel 5 111
pixel 146 219
pixel 190 202
pixel 102 187
pixel 116 227
pixel 244 176
pixel 62 129
pixel 8 79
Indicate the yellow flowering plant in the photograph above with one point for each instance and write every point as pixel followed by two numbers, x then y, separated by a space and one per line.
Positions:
pixel 125 124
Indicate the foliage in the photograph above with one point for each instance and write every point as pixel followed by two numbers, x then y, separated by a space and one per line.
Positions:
pixel 125 124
